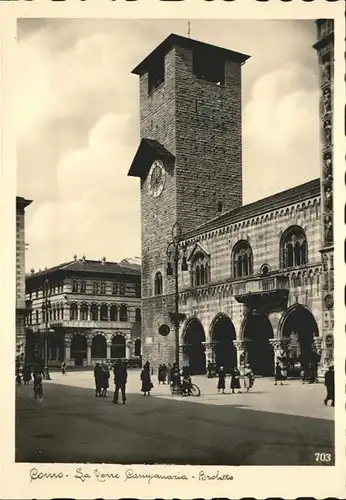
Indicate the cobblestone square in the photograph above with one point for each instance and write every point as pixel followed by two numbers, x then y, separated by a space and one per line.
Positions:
pixel 271 425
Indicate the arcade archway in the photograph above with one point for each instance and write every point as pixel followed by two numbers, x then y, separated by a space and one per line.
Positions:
pixel 99 347
pixel 78 349
pixel 118 349
pixel 223 334
pixel 260 354
pixel 299 328
pixel 193 338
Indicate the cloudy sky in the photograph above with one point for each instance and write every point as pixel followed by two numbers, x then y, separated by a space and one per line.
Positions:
pixel 78 123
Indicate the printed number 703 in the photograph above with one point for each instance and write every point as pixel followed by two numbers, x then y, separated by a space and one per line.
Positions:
pixel 323 457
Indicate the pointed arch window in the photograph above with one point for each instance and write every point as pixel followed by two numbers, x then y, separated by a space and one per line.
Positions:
pixel 242 260
pixel 200 270
pixel 104 312
pixel 158 284
pixel 293 248
pixel 113 313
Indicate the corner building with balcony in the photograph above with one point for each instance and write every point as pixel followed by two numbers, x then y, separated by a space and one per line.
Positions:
pixel 91 310
pixel 253 289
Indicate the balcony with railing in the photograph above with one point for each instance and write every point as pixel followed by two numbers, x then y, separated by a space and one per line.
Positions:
pixel 262 291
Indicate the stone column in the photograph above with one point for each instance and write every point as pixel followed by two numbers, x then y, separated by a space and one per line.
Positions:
pixel 278 348
pixel 209 348
pixel 88 343
pixel 241 346
pixel 128 348
pixel 67 344
pixel 88 318
pixel 274 319
pixel 78 312
pixel 184 354
pixel 109 345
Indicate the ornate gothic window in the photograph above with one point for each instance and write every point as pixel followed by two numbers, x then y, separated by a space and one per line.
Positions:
pixel 293 248
pixel 115 288
pixel 82 287
pixel 121 288
pixel 103 288
pixel 96 287
pixel 158 288
pixel 242 260
pixel 200 270
pixel 123 313
pixel 75 286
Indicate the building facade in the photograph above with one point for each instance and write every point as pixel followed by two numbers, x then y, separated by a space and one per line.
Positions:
pixel 325 51
pixel 252 287
pixel 21 204
pixel 90 310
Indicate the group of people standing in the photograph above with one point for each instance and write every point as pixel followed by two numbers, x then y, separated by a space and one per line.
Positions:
pixel 249 379
pixel 164 373
pixel 101 375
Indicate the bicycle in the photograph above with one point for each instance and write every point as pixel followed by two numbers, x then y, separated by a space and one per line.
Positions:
pixel 193 390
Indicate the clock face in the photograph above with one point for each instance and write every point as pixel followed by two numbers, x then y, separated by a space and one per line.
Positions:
pixel 156 179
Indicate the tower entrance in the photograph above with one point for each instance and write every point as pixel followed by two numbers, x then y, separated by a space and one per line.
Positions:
pixel 223 334
pixel 260 354
pixel 193 338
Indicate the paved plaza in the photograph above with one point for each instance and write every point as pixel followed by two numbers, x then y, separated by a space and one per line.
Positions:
pixel 282 425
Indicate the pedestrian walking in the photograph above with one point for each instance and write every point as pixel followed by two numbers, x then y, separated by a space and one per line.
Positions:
pixel 284 372
pixel 222 380
pixel 146 380
pixel 235 380
pixel 104 382
pixel 98 378
pixel 120 381
pixel 26 375
pixel 209 369
pixel 278 374
pixel 329 378
pixel 63 368
pixel 249 378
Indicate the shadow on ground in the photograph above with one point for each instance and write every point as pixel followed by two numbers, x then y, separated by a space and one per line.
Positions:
pixel 71 425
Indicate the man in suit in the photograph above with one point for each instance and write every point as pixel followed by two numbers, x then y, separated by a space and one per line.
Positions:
pixel 120 380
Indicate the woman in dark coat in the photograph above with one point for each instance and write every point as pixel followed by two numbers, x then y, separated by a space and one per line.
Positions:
pixel 278 374
pixel 104 380
pixel 98 379
pixel 162 373
pixel 146 380
pixel 235 380
pixel 222 380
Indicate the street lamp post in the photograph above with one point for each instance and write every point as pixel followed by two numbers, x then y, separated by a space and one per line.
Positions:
pixel 46 331
pixel 173 249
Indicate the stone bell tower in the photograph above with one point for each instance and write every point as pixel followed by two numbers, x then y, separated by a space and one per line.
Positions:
pixel 189 160
pixel 325 50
